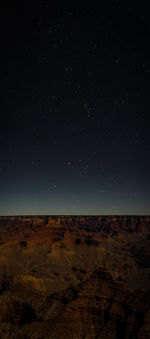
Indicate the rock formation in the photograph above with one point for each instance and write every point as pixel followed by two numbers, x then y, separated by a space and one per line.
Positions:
pixel 75 277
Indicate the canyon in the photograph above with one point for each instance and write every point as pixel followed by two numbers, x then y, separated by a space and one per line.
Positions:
pixel 75 277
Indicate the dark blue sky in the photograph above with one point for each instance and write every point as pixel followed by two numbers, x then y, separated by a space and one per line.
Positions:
pixel 74 132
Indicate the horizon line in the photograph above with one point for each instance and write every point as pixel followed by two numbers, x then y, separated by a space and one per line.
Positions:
pixel 74 215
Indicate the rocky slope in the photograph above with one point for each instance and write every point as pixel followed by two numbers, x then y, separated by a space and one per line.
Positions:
pixel 74 277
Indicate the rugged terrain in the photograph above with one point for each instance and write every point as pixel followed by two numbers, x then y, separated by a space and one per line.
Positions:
pixel 75 277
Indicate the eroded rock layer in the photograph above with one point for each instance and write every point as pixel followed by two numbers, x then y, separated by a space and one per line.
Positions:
pixel 74 277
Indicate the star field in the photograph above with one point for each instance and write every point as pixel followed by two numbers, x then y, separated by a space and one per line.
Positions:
pixel 74 132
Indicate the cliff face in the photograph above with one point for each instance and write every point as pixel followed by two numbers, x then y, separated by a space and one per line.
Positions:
pixel 103 309
pixel 74 277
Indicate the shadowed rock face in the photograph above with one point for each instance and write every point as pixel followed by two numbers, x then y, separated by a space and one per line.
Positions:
pixel 75 277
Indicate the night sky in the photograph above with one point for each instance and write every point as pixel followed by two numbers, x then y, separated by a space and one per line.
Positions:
pixel 75 106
